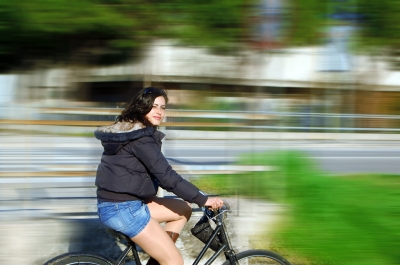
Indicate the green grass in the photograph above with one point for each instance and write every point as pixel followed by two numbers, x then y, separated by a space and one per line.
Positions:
pixel 351 219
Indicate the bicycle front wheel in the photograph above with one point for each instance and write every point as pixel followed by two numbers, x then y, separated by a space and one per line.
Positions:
pixel 79 259
pixel 255 257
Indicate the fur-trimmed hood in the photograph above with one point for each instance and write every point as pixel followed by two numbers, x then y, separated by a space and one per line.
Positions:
pixel 114 136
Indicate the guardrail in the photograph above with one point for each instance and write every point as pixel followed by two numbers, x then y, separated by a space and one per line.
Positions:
pixel 235 119
pixel 83 176
pixel 86 171
pixel 278 121
pixel 170 113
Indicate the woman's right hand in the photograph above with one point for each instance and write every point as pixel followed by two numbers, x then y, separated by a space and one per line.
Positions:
pixel 214 202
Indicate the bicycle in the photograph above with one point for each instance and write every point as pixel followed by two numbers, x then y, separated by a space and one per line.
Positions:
pixel 216 239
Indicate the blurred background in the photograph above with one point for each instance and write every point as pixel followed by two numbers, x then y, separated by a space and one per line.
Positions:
pixel 246 78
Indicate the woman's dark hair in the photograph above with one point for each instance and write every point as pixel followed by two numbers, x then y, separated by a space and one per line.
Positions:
pixel 141 104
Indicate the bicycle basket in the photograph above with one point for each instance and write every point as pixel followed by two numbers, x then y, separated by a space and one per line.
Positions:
pixel 203 231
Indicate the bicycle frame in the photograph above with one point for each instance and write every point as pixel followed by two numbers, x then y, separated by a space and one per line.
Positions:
pixel 225 247
pixel 220 229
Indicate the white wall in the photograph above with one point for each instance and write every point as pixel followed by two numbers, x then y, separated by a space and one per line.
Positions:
pixel 7 88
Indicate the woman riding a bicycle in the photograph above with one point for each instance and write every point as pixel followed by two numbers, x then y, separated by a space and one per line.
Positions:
pixel 131 169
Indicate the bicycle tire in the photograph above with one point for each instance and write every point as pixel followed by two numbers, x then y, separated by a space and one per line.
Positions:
pixel 79 259
pixel 258 256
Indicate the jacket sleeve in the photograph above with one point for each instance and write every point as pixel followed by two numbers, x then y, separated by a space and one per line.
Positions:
pixel 150 155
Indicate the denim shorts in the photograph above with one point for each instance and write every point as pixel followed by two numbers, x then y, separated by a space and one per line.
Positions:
pixel 129 217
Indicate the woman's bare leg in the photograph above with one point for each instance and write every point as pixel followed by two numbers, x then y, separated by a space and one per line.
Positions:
pixel 155 242
pixel 175 213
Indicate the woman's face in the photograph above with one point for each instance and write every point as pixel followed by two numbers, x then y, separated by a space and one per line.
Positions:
pixel 156 114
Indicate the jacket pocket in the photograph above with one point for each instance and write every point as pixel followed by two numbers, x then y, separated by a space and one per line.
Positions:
pixel 142 184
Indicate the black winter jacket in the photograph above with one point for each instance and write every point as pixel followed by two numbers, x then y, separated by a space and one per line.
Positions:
pixel 132 166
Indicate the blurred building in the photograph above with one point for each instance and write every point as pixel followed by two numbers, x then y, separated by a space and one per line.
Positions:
pixel 291 77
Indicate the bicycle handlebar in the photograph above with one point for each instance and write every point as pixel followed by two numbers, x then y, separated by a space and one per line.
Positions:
pixel 211 214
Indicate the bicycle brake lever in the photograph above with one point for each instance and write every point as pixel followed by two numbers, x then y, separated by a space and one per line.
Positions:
pixel 226 207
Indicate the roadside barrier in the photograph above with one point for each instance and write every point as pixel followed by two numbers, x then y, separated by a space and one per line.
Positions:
pixel 87 171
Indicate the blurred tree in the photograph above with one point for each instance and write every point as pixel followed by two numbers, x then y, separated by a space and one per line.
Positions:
pixel 111 31
pixel 305 21
pixel 108 31
pixel 77 31
pixel 381 28
pixel 217 24
pixel 378 23
pixel 382 21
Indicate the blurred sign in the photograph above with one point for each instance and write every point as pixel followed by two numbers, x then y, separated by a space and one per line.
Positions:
pixel 345 10
pixel 335 55
pixel 266 22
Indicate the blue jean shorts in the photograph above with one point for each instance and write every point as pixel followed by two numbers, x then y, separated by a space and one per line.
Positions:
pixel 129 217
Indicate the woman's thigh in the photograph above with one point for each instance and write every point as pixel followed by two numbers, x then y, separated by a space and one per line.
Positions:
pixel 155 242
pixel 168 209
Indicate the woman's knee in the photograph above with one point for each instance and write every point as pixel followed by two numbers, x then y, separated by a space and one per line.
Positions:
pixel 155 242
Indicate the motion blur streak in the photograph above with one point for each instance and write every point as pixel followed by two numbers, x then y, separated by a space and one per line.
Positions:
pixel 310 88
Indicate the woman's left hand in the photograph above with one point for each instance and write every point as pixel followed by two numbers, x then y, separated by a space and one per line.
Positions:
pixel 214 202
